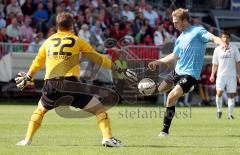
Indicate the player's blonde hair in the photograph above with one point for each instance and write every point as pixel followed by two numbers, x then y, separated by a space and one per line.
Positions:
pixel 181 13
pixel 64 21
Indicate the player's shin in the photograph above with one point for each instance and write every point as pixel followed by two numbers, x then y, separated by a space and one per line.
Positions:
pixel 34 124
pixel 219 101
pixel 170 112
pixel 103 122
pixel 230 106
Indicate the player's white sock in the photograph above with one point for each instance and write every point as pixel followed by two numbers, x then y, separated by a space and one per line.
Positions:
pixel 230 106
pixel 219 103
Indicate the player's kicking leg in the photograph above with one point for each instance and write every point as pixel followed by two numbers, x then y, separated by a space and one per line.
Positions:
pixel 34 124
pixel 103 121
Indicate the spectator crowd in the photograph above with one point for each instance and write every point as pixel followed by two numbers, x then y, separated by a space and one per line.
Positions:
pixel 32 21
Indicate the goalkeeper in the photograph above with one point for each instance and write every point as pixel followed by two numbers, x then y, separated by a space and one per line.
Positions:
pixel 60 52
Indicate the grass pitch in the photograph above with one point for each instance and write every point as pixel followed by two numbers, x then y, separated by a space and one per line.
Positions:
pixel 195 131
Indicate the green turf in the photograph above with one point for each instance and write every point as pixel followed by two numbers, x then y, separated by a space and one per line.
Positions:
pixel 201 134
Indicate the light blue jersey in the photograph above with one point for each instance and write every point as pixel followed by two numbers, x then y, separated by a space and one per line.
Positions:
pixel 190 48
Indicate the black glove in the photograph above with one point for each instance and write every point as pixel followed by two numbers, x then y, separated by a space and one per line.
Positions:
pixel 22 79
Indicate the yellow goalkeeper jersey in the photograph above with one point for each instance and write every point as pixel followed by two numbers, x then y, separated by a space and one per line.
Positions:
pixel 61 53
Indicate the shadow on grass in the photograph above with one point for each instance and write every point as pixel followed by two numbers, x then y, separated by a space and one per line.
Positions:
pixel 19 102
pixel 68 145
pixel 233 136
pixel 206 136
pixel 147 146
pixel 186 146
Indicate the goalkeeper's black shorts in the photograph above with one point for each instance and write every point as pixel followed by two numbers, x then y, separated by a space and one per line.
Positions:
pixel 54 91
pixel 185 81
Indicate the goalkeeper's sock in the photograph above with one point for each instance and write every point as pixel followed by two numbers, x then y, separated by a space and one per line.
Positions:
pixel 219 101
pixel 170 112
pixel 34 124
pixel 104 124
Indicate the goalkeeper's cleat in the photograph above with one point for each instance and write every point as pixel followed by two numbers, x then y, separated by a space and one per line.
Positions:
pixel 219 115
pixel 24 143
pixel 112 142
pixel 163 134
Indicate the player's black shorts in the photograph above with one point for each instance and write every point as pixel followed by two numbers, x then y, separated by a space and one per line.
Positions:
pixel 185 81
pixel 53 91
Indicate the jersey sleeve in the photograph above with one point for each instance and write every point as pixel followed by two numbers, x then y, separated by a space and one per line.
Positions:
pixel 94 56
pixel 176 49
pixel 205 35
pixel 215 56
pixel 39 60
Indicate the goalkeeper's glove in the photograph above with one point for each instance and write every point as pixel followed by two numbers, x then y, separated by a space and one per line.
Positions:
pixel 131 76
pixel 22 80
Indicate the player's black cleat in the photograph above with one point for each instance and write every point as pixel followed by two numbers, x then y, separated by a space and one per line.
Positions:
pixel 230 117
pixel 219 115
pixel 163 134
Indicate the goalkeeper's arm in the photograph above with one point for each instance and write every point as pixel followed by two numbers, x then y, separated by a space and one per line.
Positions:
pixel 23 78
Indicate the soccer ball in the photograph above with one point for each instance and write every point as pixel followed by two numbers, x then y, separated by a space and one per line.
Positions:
pixel 146 86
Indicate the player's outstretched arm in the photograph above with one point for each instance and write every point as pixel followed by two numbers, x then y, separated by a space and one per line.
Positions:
pixel 167 60
pixel 91 54
pixel 38 62
pixel 23 78
pixel 219 41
